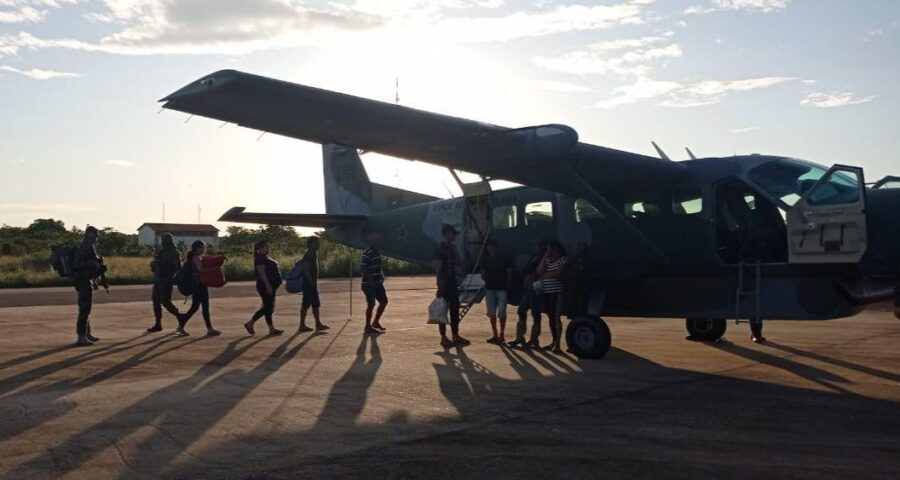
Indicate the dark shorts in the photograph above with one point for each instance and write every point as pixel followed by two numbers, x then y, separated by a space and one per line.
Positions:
pixel 310 298
pixel 375 293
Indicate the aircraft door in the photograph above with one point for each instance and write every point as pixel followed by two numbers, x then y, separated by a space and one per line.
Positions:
pixel 828 223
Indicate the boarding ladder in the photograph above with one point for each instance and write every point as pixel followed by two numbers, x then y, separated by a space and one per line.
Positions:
pixel 745 292
pixel 471 289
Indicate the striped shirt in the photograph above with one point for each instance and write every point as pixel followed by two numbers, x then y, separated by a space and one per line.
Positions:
pixel 370 267
pixel 552 280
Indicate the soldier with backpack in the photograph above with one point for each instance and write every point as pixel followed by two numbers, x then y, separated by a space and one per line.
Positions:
pixel 85 268
pixel 165 265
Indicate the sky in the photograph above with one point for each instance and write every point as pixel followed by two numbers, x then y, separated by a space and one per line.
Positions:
pixel 83 140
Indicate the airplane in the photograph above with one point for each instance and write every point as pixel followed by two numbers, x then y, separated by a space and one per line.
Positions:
pixel 747 237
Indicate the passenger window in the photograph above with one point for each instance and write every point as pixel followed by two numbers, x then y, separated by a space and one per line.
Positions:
pixel 585 210
pixel 688 201
pixel 539 214
pixel 505 216
pixel 641 209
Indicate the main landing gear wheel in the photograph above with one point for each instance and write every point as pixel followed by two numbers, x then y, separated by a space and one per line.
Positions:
pixel 588 337
pixel 706 329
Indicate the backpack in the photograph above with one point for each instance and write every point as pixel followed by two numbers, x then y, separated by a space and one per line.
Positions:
pixel 184 280
pixel 63 259
pixel 293 281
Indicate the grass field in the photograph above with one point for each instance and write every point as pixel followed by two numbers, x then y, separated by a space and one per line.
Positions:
pixel 34 271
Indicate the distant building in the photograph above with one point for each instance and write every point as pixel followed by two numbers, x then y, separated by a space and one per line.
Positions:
pixel 184 233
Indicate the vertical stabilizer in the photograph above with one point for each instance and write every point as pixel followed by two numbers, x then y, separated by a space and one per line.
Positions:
pixel 347 186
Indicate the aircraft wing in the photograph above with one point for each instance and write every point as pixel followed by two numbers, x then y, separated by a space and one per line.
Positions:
pixel 311 220
pixel 542 156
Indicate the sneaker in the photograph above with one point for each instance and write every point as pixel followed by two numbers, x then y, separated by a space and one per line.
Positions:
pixel 249 327
pixel 517 344
pixel 446 343
pixel 322 327
pixel 154 329
pixel 181 333
pixel 494 340
pixel 378 327
pixel 533 344
pixel 83 342
pixel 274 332
pixel 461 342
pixel 92 338
pixel 758 339
pixel 212 332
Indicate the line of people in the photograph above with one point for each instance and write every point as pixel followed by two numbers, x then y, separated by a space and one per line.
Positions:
pixel 547 274
pixel 552 285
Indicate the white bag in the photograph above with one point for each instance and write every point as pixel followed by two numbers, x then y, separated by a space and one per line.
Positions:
pixel 438 312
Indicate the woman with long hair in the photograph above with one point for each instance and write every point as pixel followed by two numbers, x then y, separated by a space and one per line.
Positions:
pixel 200 292
pixel 551 271
pixel 268 279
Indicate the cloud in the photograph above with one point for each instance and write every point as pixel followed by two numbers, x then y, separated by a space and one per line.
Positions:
pixel 38 74
pixel 629 57
pixel 834 99
pixel 641 90
pixel 244 26
pixel 739 5
pixel 31 11
pixel 745 129
pixel 120 163
pixel 711 92
pixel 49 207
pixel 873 34
pixel 708 92
pixel 557 86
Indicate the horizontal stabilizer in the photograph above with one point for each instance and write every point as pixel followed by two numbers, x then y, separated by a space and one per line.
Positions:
pixel 311 220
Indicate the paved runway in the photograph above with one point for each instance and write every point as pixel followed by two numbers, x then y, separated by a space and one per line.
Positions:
pixel 821 400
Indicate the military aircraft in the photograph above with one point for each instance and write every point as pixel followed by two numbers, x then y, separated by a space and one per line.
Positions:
pixel 746 237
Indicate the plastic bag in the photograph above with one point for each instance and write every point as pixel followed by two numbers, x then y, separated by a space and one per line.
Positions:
pixel 438 312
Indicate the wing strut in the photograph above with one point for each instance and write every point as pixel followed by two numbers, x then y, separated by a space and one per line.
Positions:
pixel 611 214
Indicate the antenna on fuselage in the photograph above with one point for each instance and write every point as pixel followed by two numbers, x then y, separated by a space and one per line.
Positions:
pixel 660 151
pixel 690 153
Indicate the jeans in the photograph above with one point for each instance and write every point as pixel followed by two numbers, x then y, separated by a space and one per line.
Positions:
pixel 529 303
pixel 450 292
pixel 496 303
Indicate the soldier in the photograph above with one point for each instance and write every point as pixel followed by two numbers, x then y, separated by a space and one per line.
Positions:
pixel 87 267
pixel 165 264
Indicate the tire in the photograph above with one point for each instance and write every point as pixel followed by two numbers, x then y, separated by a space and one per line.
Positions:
pixel 588 337
pixel 706 329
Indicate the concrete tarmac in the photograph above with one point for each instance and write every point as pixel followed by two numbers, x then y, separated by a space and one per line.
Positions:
pixel 820 400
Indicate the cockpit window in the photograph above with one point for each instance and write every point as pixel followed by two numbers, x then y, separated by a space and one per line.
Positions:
pixel 787 179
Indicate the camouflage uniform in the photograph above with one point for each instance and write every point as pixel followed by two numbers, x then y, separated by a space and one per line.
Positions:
pixel 166 264
pixel 86 267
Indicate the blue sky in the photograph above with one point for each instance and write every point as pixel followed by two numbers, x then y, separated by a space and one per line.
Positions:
pixel 81 138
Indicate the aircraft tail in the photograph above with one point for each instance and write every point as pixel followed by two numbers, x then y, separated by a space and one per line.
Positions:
pixel 348 190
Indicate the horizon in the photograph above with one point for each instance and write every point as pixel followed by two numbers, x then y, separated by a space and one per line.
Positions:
pixel 80 81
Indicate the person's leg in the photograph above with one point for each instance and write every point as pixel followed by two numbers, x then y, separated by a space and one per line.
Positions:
pixel 756 331
pixel 490 300
pixel 316 306
pixel 186 316
pixel 381 296
pixel 369 293
pixel 522 323
pixel 259 313
pixel 85 300
pixel 304 309
pixel 204 303
pixel 157 304
pixel 501 313
pixel 270 316
pixel 165 297
pixel 453 304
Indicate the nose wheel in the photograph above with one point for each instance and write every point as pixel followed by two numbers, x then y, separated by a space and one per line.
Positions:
pixel 705 329
pixel 588 337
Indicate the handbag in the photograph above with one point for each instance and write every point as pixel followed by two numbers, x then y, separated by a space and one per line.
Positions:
pixel 438 312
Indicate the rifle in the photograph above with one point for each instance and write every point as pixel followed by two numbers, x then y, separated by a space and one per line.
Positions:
pixel 101 280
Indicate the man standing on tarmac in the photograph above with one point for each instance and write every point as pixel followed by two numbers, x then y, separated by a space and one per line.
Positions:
pixel 447 265
pixel 87 266
pixel 373 283
pixel 311 286
pixel 165 264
